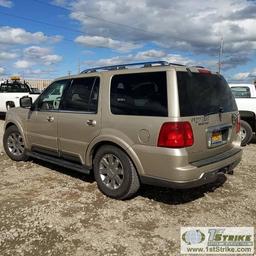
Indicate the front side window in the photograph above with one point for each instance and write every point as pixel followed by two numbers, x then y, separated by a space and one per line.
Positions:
pixel 142 94
pixel 51 97
pixel 82 95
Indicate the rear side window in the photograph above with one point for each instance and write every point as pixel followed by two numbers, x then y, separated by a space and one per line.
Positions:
pixel 141 94
pixel 82 95
pixel 241 92
pixel 203 93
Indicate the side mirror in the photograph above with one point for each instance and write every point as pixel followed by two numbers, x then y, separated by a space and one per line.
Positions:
pixel 26 102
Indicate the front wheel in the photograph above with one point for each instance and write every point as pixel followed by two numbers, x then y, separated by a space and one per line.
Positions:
pixel 14 145
pixel 245 132
pixel 115 173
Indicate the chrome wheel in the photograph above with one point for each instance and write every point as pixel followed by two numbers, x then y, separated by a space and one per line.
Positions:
pixel 15 144
pixel 111 171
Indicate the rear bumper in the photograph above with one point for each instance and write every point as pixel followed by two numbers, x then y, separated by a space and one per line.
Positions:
pixel 198 173
pixel 206 178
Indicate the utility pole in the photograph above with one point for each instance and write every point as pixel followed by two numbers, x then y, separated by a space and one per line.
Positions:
pixel 69 73
pixel 220 54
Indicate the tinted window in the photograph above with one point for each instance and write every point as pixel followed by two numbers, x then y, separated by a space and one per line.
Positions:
pixel 51 97
pixel 143 94
pixel 241 92
pixel 201 94
pixel 82 95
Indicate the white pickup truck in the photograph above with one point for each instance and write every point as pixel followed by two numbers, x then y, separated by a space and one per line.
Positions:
pixel 245 95
pixel 11 92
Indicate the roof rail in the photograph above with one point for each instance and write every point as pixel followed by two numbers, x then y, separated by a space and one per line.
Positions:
pixel 198 67
pixel 124 66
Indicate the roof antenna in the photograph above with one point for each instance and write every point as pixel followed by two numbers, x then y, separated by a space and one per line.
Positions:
pixel 220 54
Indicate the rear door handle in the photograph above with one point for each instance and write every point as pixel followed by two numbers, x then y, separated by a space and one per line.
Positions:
pixel 50 119
pixel 91 122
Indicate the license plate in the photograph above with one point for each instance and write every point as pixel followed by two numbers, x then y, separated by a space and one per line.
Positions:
pixel 216 138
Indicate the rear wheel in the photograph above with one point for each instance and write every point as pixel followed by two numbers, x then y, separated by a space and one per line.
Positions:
pixel 14 145
pixel 246 133
pixel 115 173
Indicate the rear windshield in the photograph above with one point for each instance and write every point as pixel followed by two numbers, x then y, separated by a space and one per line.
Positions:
pixel 241 92
pixel 14 87
pixel 203 94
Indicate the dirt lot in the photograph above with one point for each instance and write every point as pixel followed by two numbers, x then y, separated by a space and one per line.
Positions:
pixel 47 210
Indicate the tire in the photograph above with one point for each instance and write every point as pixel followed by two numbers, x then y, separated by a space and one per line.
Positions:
pixel 13 143
pixel 115 173
pixel 246 133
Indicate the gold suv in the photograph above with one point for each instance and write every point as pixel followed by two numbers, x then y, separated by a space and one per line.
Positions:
pixel 155 122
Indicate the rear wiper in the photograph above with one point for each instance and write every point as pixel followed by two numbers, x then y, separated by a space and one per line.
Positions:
pixel 211 113
pixel 220 111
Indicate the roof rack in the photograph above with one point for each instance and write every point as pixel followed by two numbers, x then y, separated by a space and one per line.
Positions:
pixel 124 66
pixel 198 67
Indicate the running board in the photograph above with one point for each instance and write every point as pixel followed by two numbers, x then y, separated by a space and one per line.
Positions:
pixel 60 162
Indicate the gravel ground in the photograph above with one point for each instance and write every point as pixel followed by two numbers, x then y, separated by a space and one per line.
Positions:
pixel 47 210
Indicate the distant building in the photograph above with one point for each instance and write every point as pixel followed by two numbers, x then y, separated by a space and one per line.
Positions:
pixel 38 83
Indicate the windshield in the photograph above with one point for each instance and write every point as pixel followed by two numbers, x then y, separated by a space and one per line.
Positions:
pixel 204 93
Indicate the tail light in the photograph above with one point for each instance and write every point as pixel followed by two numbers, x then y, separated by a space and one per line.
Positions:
pixel 238 124
pixel 176 135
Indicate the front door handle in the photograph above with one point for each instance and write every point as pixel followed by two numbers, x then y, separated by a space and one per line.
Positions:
pixel 91 122
pixel 50 119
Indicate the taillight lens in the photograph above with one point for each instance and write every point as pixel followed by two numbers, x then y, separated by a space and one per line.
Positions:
pixel 176 135
pixel 238 124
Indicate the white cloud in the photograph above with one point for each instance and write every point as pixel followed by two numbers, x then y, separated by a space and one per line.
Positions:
pixel 245 76
pixel 150 54
pixel 241 76
pixel 99 41
pixel 51 59
pixel 9 35
pixel 2 71
pixel 182 25
pixel 41 55
pixel 141 56
pixel 7 55
pixel 16 36
pixel 6 3
pixel 36 51
pixel 23 64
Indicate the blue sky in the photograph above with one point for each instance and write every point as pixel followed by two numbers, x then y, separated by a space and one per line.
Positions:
pixel 49 38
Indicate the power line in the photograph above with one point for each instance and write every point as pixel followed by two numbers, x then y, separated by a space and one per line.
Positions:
pixel 98 18
pixel 40 22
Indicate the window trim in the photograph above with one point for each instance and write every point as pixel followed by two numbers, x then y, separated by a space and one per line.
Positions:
pixel 80 111
pixel 35 104
pixel 136 73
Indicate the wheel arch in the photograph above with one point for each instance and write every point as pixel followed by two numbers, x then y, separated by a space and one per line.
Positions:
pixel 12 123
pixel 249 117
pixel 93 147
